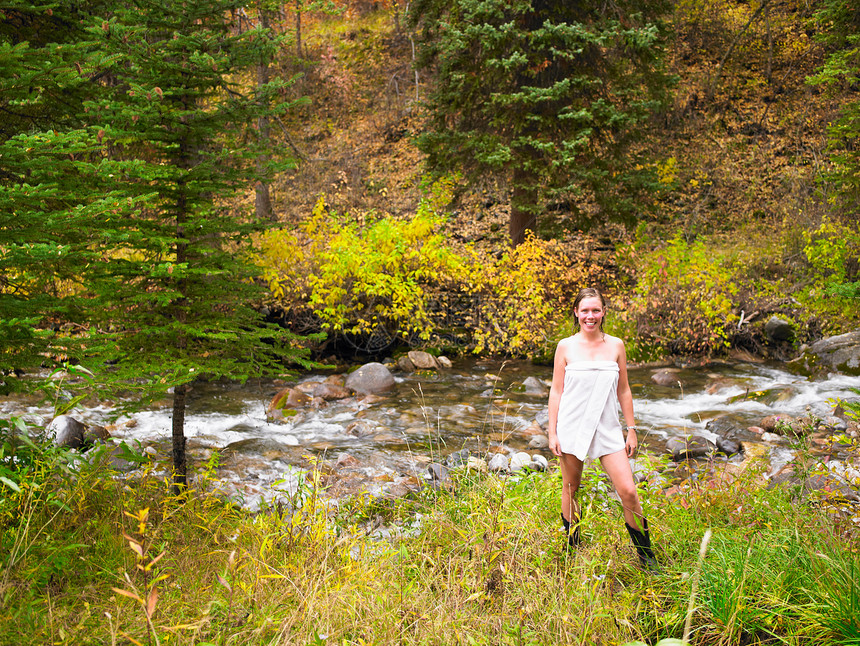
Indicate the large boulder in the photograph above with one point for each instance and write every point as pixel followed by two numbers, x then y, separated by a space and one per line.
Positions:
pixel 666 377
pixel 67 432
pixel 288 398
pixel 534 386
pixel 840 352
pixel 405 364
pixel 499 463
pixel 422 360
pixel 328 391
pixel 730 433
pixel 444 362
pixel 779 330
pixel 370 378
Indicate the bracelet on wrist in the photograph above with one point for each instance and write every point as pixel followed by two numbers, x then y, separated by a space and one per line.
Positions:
pixel 629 428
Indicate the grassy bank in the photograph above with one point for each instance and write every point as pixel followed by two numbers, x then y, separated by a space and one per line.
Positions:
pixel 479 562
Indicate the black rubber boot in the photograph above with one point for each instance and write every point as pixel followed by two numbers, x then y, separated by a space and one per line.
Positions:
pixel 642 543
pixel 573 539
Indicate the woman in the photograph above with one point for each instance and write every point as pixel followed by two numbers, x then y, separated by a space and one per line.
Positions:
pixel 589 377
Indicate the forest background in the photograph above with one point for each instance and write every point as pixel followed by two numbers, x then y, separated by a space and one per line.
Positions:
pixel 220 190
pixel 727 195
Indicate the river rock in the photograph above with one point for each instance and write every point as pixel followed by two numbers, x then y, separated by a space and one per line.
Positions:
pixel 476 464
pixel 534 386
pixel 360 428
pixel 422 360
pixel 330 392
pixel 96 434
pixel 457 459
pixel 438 472
pixel 307 387
pixel 520 461
pixel 666 377
pixel 444 362
pixel 690 447
pixel 542 418
pixel 771 438
pixel 840 352
pixel 288 398
pixel 779 330
pixel 841 410
pixel 120 457
pixel 730 433
pixel 67 432
pixel 499 463
pixel 346 460
pixel 531 430
pixel 539 463
pixel 728 445
pixel 404 364
pixel 640 470
pixel 539 442
pixel 297 398
pixel 835 424
pixel 371 378
pixel 335 380
pixel 788 426
pixel 717 383
pixel 780 424
pixel 725 425
pixel 266 447
pixel 831 484
pixel 397 490
pixel 845 471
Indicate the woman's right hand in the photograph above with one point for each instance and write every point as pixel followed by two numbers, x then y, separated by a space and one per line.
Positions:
pixel 553 445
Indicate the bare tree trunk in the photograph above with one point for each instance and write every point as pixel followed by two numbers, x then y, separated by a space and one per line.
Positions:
pixel 263 196
pixel 712 87
pixel 769 72
pixel 180 467
pixel 299 28
pixel 523 217
pixel 179 305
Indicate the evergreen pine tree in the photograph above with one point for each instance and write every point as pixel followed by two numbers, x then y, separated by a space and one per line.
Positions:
pixel 54 181
pixel 547 95
pixel 840 22
pixel 172 294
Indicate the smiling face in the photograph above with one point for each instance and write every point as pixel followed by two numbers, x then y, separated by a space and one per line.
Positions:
pixel 589 313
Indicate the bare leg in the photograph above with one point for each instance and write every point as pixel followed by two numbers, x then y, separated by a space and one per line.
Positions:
pixel 571 476
pixel 618 468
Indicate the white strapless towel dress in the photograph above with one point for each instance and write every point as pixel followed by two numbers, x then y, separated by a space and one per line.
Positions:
pixel 588 423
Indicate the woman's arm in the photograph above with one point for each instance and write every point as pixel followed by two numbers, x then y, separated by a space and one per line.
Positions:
pixel 555 397
pixel 625 399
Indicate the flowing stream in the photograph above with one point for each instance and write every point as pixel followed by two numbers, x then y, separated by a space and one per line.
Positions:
pixel 477 404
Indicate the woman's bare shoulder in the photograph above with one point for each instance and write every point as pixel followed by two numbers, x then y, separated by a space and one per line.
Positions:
pixel 614 342
pixel 565 348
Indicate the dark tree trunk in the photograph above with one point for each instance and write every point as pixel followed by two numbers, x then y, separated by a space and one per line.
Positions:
pixel 523 204
pixel 180 467
pixel 186 162
pixel 299 28
pixel 263 196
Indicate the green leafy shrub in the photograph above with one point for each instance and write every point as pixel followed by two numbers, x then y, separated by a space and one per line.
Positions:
pixel 407 280
pixel 531 291
pixel 357 278
pixel 833 250
pixel 684 300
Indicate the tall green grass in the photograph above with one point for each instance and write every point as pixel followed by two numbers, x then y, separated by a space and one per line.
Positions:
pixel 481 561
